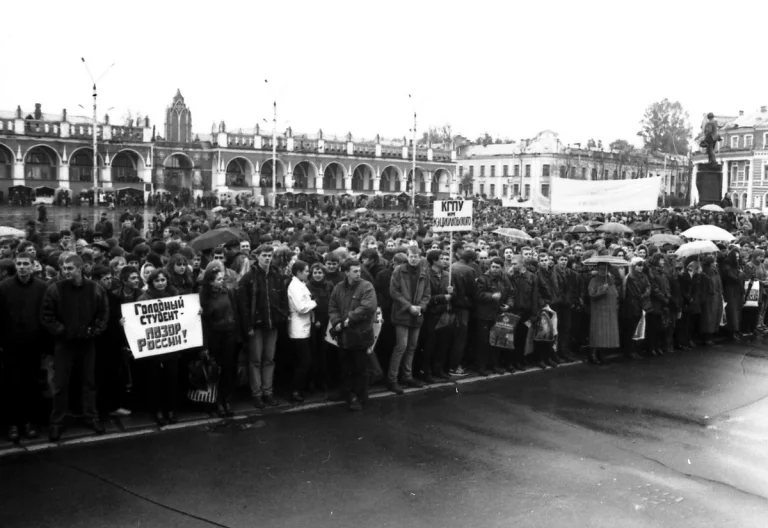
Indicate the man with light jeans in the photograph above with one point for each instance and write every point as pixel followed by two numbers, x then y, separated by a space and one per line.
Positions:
pixel 410 290
pixel 263 300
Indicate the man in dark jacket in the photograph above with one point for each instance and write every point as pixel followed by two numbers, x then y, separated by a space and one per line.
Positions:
pixel 524 282
pixel 410 290
pixel 463 276
pixel 351 310
pixel 24 341
pixel 263 299
pixel 437 341
pixel 494 295
pixel 567 289
pixel 74 311
pixel 128 233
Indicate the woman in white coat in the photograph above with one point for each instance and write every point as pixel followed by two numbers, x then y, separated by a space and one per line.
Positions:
pixel 301 308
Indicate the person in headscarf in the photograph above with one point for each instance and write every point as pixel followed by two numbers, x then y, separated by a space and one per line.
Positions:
pixel 733 276
pixel 711 300
pixel 604 321
pixel 636 302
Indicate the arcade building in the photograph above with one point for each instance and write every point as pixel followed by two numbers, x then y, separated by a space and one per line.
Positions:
pixel 55 151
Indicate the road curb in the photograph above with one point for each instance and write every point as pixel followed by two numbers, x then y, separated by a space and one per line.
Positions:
pixel 248 413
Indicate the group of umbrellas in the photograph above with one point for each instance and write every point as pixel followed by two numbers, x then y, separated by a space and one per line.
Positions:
pixel 714 208
pixel 703 238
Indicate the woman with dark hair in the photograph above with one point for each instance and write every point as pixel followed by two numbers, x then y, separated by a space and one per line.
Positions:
pixel 163 369
pixel 660 295
pixel 320 288
pixel 604 312
pixel 301 305
pixel 179 275
pixel 219 319
pixel 733 276
pixel 637 299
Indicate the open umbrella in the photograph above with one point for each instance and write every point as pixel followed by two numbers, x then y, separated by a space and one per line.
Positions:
pixel 734 210
pixel 754 211
pixel 361 210
pixel 614 227
pixel 595 223
pixel 187 218
pixel 11 232
pixel 605 259
pixel 713 208
pixel 216 237
pixel 511 232
pixel 639 227
pixel 217 209
pixel 697 247
pixel 708 232
pixel 580 229
pixel 661 239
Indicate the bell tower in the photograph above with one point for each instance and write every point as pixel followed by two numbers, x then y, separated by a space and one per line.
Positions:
pixel 178 121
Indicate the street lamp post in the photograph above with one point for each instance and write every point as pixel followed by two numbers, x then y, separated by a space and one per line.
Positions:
pixel 95 131
pixel 413 181
pixel 274 155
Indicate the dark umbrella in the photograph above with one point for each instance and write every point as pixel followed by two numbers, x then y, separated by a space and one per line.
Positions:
pixel 614 227
pixel 579 229
pixel 187 218
pixel 645 226
pixel 217 237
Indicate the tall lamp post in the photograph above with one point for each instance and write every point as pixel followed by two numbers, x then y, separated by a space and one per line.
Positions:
pixel 95 130
pixel 413 181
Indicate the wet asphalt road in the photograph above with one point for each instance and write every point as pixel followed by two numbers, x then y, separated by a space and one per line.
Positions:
pixel 674 441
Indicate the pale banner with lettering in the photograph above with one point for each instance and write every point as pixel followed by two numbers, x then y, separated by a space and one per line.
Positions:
pixel 162 326
pixel 601 196
pixel 452 215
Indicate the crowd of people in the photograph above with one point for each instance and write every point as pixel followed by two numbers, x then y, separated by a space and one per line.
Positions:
pixel 324 303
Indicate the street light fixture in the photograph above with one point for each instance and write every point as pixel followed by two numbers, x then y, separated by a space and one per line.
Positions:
pixel 95 130
pixel 413 179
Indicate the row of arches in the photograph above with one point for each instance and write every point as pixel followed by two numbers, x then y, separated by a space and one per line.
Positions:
pixel 240 173
pixel 42 163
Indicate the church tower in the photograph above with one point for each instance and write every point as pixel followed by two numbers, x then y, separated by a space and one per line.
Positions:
pixel 178 121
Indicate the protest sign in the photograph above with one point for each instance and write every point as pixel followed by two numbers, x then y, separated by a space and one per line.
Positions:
pixel 452 215
pixel 162 326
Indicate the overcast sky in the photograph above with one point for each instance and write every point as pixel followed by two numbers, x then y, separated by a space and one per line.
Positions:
pixel 583 69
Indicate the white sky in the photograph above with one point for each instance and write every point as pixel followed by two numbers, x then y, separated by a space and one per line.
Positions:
pixel 582 69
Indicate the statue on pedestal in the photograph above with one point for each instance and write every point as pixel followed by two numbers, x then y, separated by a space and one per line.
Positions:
pixel 711 137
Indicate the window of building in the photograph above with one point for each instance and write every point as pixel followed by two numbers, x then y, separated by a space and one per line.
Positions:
pixel 594 174
pixel 527 191
pixel 482 171
pixel 672 180
pixel 545 170
pixel 492 190
pixel 471 171
pixel 740 172
pixel 615 174
pixel 765 172
pixel 545 189
pixel 623 175
pixel 765 140
pixel 505 170
pixel 634 175
pixel 527 171
pixel 746 171
pixel 517 170
pixel 563 170
pixel 583 173
pixel 516 187
pixel 748 141
pixel 505 189
pixel 734 142
pixel 482 189
pixel 605 174
pixel 461 171
pixel 493 171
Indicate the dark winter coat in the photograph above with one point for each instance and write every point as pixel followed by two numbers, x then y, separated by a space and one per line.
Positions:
pixel 20 306
pixel 463 277
pixel 71 312
pixel 358 304
pixel 438 283
pixel 262 299
pixel 486 307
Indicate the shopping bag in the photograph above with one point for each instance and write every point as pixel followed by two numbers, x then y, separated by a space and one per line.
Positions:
pixel 502 333
pixel 753 294
pixel 209 395
pixel 640 329
pixel 544 329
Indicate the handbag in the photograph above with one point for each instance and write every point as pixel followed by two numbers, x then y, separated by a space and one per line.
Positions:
pixel 203 372
pixel 446 320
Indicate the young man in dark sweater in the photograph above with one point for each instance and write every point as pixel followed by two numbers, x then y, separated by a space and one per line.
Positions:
pixel 75 311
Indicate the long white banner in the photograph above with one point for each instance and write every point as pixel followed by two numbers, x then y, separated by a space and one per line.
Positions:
pixel 601 196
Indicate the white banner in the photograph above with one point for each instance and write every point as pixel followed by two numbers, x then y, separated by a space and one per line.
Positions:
pixel 452 215
pixel 601 196
pixel 162 326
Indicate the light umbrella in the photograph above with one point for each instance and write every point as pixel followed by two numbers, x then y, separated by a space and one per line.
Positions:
pixel 605 259
pixel 697 247
pixel 580 229
pixel 217 209
pixel 614 227
pixel 511 232
pixel 662 238
pixel 713 208
pixel 734 210
pixel 708 232
pixel 361 210
pixel 11 232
